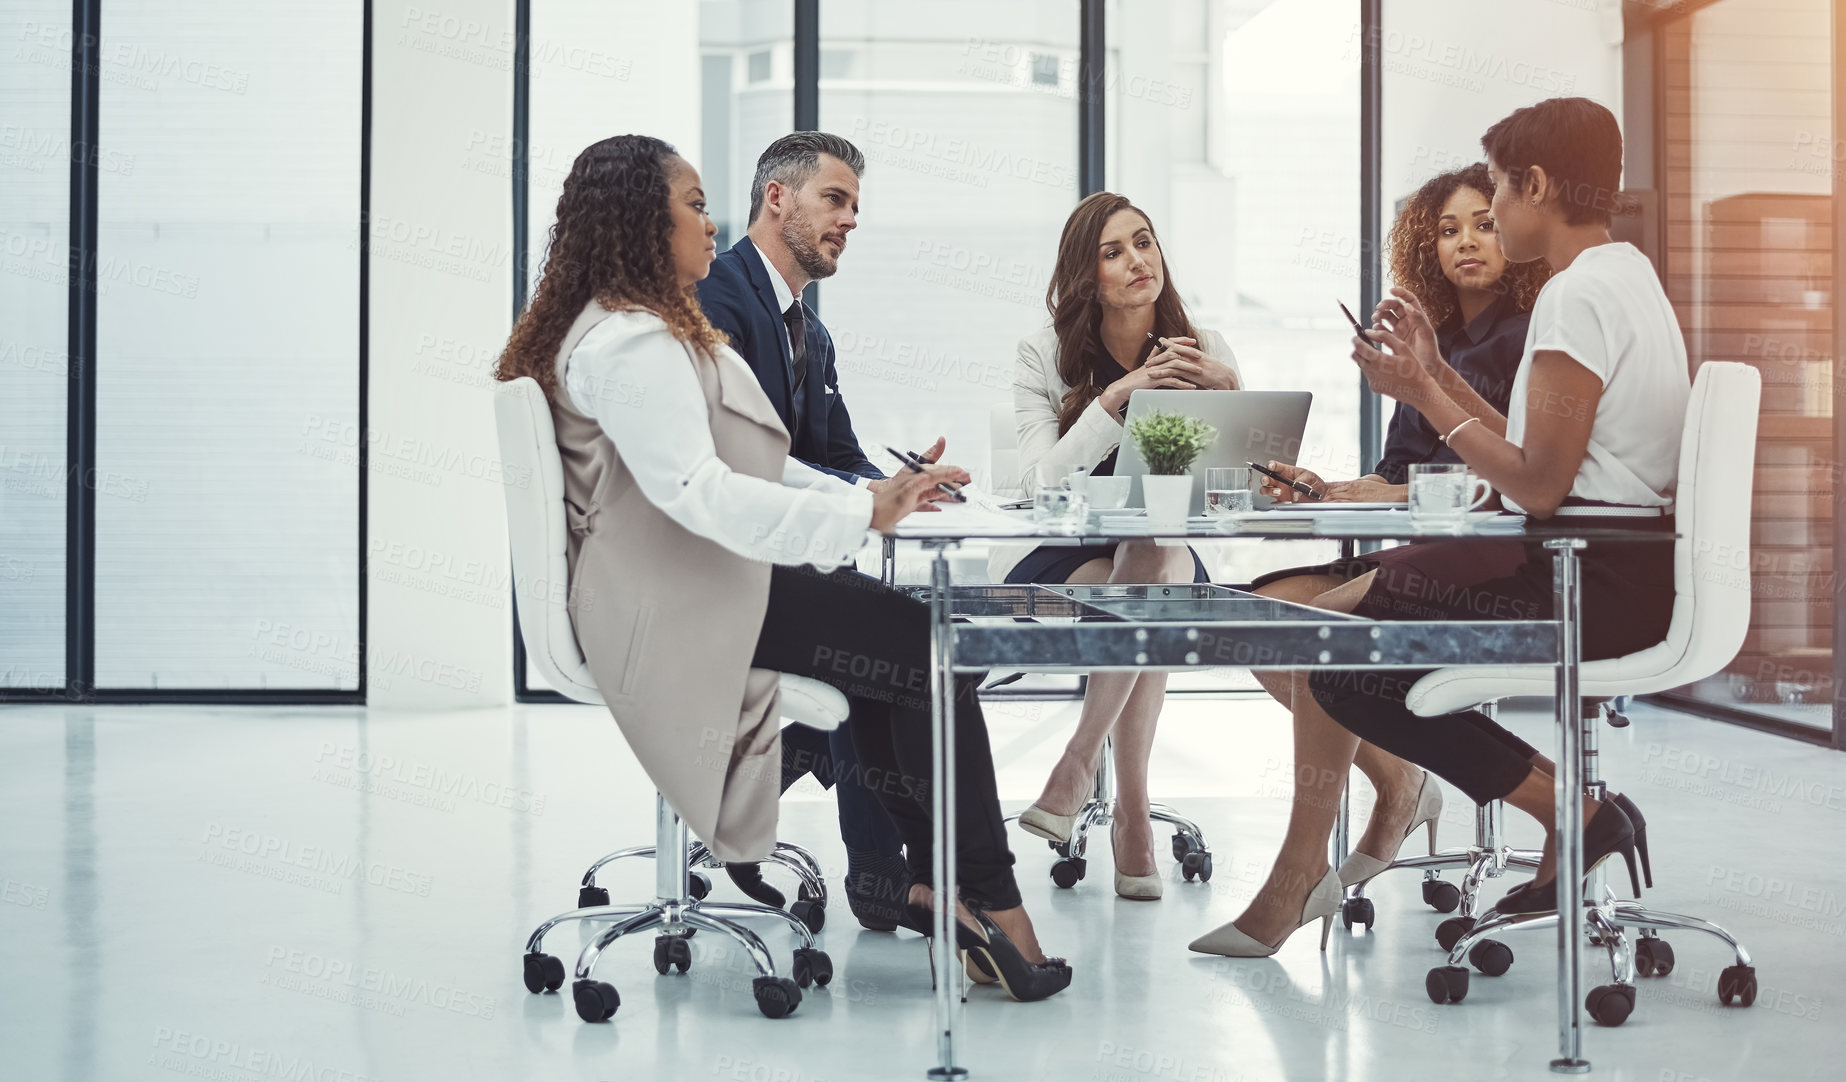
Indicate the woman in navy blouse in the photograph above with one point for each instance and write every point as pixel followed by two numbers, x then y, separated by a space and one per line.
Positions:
pixel 1443 249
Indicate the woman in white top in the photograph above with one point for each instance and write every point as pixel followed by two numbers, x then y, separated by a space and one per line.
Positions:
pixel 676 468
pixel 1595 421
pixel 1117 326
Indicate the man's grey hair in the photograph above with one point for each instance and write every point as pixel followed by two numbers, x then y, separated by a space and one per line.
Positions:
pixel 792 161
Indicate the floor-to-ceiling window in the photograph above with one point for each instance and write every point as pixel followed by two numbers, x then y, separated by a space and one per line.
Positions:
pixel 227 347
pixel 1750 172
pixel 35 159
pixel 1236 127
pixel 967 115
pixel 225 178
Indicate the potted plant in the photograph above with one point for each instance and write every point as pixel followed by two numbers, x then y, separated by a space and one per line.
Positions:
pixel 1169 443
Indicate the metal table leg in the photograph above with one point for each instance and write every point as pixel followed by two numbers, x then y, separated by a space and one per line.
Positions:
pixel 942 812
pixel 1568 795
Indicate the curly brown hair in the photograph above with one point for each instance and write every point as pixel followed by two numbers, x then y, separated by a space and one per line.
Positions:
pixel 612 242
pixel 1412 247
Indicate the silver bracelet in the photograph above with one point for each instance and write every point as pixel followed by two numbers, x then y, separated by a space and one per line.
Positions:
pixel 1458 428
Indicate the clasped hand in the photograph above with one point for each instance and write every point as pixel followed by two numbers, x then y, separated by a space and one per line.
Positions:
pixel 1178 365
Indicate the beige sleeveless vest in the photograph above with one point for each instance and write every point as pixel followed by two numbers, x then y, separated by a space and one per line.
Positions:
pixel 668 620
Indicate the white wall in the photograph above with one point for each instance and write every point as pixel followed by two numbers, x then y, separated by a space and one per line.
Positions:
pixel 439 628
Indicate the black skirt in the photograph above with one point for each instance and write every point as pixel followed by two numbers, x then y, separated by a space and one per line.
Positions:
pixel 1055 564
pixel 1627 586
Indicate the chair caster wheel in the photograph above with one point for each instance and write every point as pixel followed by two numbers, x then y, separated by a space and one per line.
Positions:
pixel 1450 931
pixel 1441 896
pixel 806 894
pixel 1446 984
pixel 543 973
pixel 698 884
pixel 776 996
pixel 1068 871
pixel 1196 864
pixel 1491 957
pixel 1739 983
pixel 596 1000
pixel 1610 1004
pixel 812 914
pixel 1653 957
pixel 672 952
pixel 812 966
pixel 589 896
pixel 1357 911
pixel 1181 847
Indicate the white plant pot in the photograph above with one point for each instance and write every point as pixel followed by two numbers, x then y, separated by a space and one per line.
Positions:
pixel 1168 498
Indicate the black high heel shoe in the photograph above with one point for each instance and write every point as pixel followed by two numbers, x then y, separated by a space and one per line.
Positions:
pixel 1639 821
pixel 1607 833
pixel 921 919
pixel 1023 980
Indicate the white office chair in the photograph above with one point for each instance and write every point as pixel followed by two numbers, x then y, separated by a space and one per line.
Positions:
pixel 1188 841
pixel 1711 613
pixel 539 542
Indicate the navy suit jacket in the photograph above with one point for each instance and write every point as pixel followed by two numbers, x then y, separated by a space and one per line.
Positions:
pixel 739 300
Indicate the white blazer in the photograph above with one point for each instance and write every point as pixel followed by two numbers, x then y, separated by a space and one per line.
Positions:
pixel 1045 457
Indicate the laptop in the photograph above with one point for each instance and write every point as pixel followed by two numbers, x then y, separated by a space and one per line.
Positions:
pixel 1253 426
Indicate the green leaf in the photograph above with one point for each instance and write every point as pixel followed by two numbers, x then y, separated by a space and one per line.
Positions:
pixel 1170 442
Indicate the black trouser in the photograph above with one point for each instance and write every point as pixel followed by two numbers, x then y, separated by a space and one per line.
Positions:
pixel 1627 591
pixel 872 643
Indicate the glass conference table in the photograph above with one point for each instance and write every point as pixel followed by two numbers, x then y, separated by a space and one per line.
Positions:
pixel 1080 629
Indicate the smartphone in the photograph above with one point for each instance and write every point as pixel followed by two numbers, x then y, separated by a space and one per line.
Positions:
pixel 1357 328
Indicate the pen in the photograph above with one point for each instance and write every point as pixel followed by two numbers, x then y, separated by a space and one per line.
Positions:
pixel 915 463
pixel 1299 486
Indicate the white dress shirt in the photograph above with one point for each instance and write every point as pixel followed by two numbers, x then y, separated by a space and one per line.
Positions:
pixel 637 381
pixel 784 298
pixel 784 295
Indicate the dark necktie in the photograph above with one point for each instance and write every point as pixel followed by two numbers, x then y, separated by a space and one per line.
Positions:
pixel 797 344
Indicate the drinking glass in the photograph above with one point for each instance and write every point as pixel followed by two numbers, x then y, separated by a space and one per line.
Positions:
pixel 1442 494
pixel 1107 493
pixel 1059 509
pixel 1227 490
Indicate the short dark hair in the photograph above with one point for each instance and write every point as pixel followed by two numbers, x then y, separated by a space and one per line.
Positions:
pixel 1576 142
pixel 792 160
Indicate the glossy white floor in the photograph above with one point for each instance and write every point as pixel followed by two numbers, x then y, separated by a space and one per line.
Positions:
pixel 335 895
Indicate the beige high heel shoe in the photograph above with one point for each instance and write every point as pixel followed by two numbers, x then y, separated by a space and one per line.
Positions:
pixel 1140 888
pixel 1231 942
pixel 1359 867
pixel 1048 825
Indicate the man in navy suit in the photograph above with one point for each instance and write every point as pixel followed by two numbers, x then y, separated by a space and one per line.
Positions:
pixel 803 201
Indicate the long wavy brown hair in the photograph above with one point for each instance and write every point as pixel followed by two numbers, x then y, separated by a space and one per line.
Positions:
pixel 612 241
pixel 1076 307
pixel 1412 247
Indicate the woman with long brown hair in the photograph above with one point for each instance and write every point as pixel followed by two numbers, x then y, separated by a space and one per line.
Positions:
pixel 692 532
pixel 1117 326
